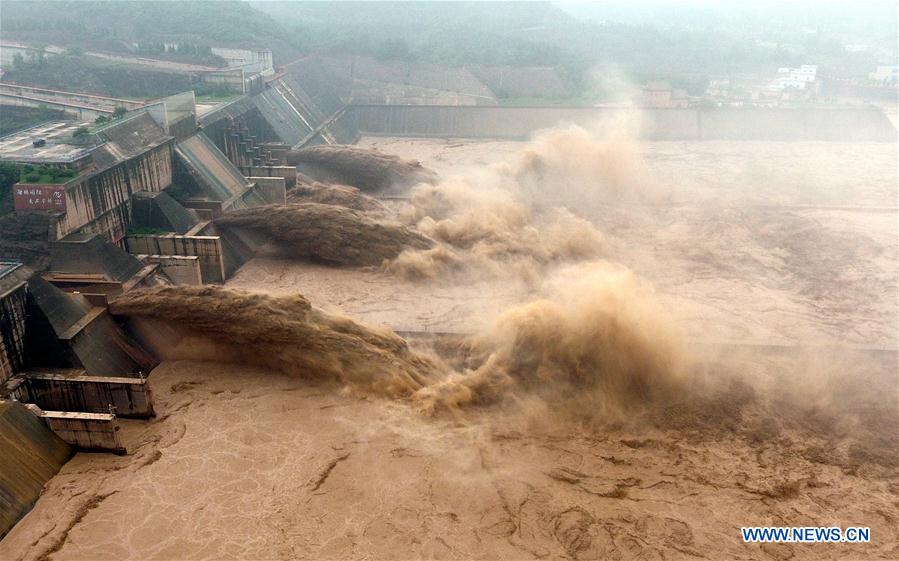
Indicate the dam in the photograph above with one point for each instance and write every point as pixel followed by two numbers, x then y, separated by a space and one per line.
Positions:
pixel 149 208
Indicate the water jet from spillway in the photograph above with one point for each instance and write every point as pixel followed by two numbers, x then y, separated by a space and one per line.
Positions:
pixel 327 233
pixel 366 169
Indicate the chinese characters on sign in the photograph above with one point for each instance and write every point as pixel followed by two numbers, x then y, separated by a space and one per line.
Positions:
pixel 39 197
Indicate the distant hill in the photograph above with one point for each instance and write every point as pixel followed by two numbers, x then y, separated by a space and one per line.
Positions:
pixel 116 26
pixel 522 49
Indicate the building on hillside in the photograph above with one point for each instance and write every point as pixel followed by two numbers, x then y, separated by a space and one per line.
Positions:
pixel 885 75
pixel 790 86
pixel 252 61
pixel 660 94
pixel 796 78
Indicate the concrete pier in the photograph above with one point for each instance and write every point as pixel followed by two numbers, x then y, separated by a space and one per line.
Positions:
pixel 86 431
pixel 74 390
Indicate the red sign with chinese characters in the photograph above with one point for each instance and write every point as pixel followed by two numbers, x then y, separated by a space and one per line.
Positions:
pixel 39 197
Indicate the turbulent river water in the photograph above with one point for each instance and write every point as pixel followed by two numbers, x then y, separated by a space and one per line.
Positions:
pixel 777 262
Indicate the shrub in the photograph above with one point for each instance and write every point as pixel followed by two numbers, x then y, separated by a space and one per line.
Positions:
pixel 33 177
pixel 9 176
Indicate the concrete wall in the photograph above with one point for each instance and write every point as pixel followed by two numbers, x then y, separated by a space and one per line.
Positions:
pixel 97 344
pixel 180 269
pixel 99 203
pixel 272 189
pixel 12 332
pixel 75 98
pixel 289 173
pixel 241 133
pixel 131 397
pixel 32 454
pixel 659 124
pixel 202 165
pixel 234 79
pixel 207 248
pixel 87 431
pixel 79 112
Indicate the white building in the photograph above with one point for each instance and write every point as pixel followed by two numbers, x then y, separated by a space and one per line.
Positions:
pixel 796 78
pixel 253 61
pixel 885 74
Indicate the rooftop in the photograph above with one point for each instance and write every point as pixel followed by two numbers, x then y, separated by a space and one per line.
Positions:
pixel 12 276
pixel 7 267
pixel 18 146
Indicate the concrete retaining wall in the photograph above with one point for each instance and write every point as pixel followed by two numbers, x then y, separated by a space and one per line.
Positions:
pixel 181 269
pixel 272 189
pixel 75 98
pixel 851 124
pixel 202 164
pixel 131 397
pixel 289 173
pixel 32 454
pixel 12 331
pixel 100 203
pixel 207 248
pixel 79 112
pixel 87 431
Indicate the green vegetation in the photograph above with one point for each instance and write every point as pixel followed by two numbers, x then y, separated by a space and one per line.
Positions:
pixel 191 26
pixel 9 176
pixel 103 120
pixel 88 74
pixel 45 174
pixel 684 44
pixel 181 51
pixel 36 58
pixel 640 40
pixel 81 132
pixel 14 118
pixel 213 92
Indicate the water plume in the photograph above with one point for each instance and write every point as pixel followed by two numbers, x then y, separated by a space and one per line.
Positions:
pixel 283 333
pixel 485 228
pixel 327 233
pixel 312 191
pixel 598 340
pixel 369 170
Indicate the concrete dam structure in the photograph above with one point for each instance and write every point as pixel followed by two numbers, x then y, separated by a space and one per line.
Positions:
pixel 860 124
pixel 112 227
pixel 308 103
pixel 32 454
pixel 141 211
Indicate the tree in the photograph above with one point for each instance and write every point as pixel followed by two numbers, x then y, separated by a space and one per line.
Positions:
pixel 81 132
pixel 119 112
pixel 39 56
pixel 9 176
pixel 392 49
